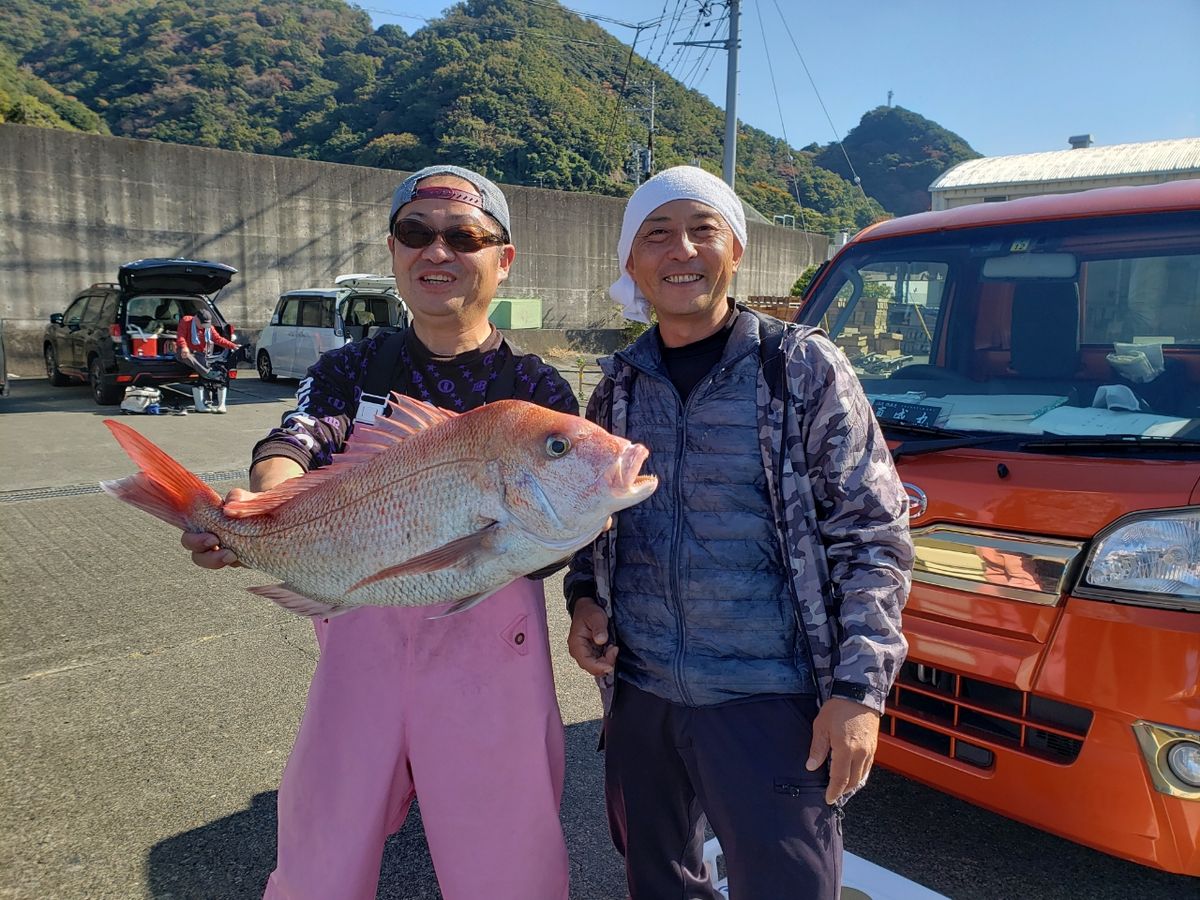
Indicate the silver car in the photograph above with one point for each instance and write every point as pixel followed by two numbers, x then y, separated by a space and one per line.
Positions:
pixel 310 321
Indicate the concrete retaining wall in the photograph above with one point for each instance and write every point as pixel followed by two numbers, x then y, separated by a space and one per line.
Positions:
pixel 73 207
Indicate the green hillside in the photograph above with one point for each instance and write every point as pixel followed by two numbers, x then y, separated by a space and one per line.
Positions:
pixel 897 154
pixel 26 99
pixel 528 93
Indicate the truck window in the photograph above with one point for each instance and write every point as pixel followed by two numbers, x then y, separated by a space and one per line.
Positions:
pixel 1063 328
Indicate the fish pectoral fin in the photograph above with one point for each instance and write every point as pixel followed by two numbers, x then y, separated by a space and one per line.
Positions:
pixel 293 601
pixel 457 551
pixel 464 604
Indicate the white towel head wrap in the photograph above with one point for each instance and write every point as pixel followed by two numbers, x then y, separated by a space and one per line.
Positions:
pixel 677 183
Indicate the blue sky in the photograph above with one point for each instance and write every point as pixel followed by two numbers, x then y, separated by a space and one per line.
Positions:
pixel 1015 77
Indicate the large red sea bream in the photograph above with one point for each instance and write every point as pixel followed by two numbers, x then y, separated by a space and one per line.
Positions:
pixel 424 508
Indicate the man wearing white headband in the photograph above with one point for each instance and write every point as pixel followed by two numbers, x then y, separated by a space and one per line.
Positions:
pixel 748 613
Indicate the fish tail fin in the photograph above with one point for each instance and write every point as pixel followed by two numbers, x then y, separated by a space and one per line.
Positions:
pixel 163 488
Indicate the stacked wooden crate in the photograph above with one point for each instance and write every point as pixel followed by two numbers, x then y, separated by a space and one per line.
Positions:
pixel 914 339
pixel 889 344
pixel 853 342
pixel 784 308
pixel 871 314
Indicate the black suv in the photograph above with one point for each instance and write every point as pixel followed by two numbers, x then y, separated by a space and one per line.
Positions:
pixel 117 335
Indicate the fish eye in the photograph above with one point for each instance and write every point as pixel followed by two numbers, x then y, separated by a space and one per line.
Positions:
pixel 558 445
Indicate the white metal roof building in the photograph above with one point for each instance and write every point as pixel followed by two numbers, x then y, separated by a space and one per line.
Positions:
pixel 1065 171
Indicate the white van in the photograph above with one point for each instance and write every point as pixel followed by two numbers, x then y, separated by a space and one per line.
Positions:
pixel 308 322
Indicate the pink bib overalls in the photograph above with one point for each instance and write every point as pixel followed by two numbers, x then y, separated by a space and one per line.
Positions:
pixel 459 711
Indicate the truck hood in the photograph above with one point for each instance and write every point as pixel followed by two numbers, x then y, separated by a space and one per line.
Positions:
pixel 1069 497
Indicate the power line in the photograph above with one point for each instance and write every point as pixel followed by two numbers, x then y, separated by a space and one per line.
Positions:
pixel 586 15
pixel 558 6
pixel 783 126
pixel 670 31
pixel 395 15
pixel 681 48
pixel 709 53
pixel 546 34
pixel 657 28
pixel 620 97
pixel 836 135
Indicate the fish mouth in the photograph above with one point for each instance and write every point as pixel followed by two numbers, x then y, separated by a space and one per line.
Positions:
pixel 623 477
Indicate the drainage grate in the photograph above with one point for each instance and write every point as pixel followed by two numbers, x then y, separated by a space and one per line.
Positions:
pixel 75 490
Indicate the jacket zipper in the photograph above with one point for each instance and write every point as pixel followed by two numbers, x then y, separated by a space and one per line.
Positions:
pixel 676 543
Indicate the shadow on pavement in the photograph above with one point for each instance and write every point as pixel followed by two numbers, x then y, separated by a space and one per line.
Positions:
pixel 231 858
pixel 30 395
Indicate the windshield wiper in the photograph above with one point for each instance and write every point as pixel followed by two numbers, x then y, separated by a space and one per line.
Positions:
pixel 914 428
pixel 939 438
pixel 1110 442
pixel 916 448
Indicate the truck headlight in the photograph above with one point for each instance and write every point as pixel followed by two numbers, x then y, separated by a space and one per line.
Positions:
pixel 1172 757
pixel 1184 760
pixel 1147 558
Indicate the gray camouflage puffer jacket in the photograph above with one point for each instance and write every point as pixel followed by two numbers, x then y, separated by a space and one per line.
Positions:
pixel 838 504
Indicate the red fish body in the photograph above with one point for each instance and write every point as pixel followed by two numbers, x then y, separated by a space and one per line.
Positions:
pixel 424 508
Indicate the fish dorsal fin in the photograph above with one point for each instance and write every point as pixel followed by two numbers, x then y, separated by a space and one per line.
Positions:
pixel 409 417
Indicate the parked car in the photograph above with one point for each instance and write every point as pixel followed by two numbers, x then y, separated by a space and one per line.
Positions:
pixel 114 335
pixel 1035 366
pixel 308 322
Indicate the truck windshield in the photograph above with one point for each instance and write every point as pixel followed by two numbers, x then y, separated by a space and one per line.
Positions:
pixel 1070 328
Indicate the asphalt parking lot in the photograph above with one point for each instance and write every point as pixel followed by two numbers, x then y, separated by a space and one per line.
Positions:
pixel 149 705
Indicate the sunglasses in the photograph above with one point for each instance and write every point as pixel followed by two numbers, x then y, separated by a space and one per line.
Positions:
pixel 417 235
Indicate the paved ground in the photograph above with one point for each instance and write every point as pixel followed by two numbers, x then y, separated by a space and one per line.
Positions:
pixel 148 706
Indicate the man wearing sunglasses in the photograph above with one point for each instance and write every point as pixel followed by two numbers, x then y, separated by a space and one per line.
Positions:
pixel 458 711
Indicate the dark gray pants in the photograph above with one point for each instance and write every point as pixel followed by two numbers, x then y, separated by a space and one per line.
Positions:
pixel 667 766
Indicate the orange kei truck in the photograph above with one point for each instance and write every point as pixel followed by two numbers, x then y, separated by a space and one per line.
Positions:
pixel 1035 365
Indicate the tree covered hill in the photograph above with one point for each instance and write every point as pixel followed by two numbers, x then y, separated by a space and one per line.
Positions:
pixel 527 93
pixel 26 99
pixel 897 154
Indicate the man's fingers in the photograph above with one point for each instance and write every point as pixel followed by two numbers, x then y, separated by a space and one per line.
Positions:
pixel 597 624
pixel 215 559
pixel 819 748
pixel 596 664
pixel 584 645
pixel 606 662
pixel 856 771
pixel 198 543
pixel 839 776
pixel 207 552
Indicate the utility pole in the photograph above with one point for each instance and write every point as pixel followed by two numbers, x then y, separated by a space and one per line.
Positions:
pixel 644 155
pixel 730 45
pixel 650 135
pixel 731 93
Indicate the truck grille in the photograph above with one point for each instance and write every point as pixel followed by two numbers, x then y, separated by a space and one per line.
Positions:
pixel 969 720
